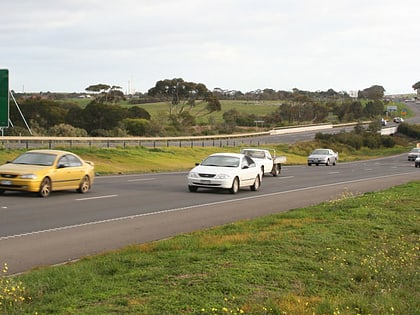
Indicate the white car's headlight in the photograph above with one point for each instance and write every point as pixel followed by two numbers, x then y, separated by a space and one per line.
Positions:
pixel 28 176
pixel 222 176
pixel 193 174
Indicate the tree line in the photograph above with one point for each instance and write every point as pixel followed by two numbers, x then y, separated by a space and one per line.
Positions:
pixel 104 116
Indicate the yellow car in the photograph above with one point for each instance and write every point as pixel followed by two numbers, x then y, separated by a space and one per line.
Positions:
pixel 44 171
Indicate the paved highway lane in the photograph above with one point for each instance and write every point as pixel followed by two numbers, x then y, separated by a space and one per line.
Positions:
pixel 128 209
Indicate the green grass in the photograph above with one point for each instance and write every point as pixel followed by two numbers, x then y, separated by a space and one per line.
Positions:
pixel 149 160
pixel 261 108
pixel 354 255
pixel 244 107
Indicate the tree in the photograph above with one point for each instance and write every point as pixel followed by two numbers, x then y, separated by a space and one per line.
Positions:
pixel 138 112
pixel 65 130
pixel 136 126
pixel 102 116
pixel 45 112
pixel 375 92
pixel 416 87
pixel 98 88
pixel 106 93
pixel 375 108
pixel 184 96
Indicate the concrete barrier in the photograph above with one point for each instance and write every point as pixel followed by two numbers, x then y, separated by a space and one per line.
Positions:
pixel 299 129
pixel 389 131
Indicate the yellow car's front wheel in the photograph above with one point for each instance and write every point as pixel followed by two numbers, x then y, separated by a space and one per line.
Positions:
pixel 45 188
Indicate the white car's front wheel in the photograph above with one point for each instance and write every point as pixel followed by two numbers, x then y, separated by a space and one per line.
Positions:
pixel 192 188
pixel 235 186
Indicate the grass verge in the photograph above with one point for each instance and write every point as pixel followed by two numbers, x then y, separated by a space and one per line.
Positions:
pixel 354 255
pixel 165 159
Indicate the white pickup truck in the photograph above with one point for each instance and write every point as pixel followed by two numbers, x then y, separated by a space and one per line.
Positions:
pixel 269 162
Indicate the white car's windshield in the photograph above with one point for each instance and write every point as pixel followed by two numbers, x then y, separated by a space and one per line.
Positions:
pixel 222 161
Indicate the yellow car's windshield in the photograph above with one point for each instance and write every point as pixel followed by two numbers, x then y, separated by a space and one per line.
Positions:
pixel 43 159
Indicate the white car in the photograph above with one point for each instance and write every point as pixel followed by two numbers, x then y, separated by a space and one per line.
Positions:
pixel 413 154
pixel 230 171
pixel 323 156
pixel 417 162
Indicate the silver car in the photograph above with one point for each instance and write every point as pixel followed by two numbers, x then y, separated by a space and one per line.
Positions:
pixel 323 156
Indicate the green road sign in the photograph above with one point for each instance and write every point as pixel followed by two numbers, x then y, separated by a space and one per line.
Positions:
pixel 4 98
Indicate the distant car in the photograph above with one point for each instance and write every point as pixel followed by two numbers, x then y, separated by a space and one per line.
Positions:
pixel 413 154
pixel 44 171
pixel 417 162
pixel 230 171
pixel 398 120
pixel 323 156
pixel 384 122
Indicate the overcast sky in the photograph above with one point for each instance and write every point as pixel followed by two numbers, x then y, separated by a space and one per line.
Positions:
pixel 67 45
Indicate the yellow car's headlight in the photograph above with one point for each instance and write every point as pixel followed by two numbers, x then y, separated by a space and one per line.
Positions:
pixel 28 176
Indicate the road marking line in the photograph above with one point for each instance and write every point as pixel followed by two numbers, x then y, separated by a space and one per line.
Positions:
pixel 98 197
pixel 140 180
pixel 135 216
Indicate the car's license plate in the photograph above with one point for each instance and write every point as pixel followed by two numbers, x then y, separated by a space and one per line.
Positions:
pixel 6 182
pixel 205 181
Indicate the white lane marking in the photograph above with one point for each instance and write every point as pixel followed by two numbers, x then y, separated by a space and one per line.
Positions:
pixel 68 227
pixel 140 179
pixel 134 175
pixel 335 172
pixel 98 197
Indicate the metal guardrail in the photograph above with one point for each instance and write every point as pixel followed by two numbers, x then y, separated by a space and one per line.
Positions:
pixel 250 139
pixel 27 142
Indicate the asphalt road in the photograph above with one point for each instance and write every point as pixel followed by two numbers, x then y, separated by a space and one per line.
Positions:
pixel 132 209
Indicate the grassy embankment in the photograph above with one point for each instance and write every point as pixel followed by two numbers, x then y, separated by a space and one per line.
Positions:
pixel 349 256
pixel 354 255
pixel 147 160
